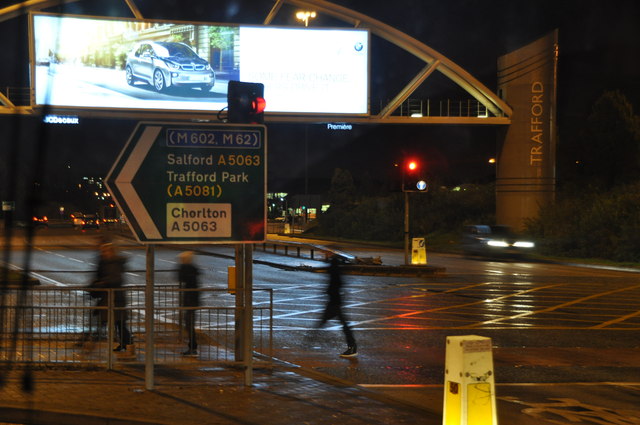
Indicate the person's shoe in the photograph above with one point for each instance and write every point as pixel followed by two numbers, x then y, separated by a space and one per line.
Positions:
pixel 190 353
pixel 351 352
pixel 120 348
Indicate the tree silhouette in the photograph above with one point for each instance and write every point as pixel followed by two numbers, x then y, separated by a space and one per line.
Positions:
pixel 343 191
pixel 610 143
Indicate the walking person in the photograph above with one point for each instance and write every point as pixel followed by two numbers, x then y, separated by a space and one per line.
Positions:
pixel 334 307
pixel 111 275
pixel 190 300
pixel 98 315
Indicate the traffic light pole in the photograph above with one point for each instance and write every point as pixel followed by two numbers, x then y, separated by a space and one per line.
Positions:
pixel 412 181
pixel 406 228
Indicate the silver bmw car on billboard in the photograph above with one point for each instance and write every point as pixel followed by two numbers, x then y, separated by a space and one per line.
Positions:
pixel 164 64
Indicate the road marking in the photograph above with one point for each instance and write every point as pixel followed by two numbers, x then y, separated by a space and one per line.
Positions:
pixel 80 261
pixel 457 306
pixel 297 313
pixel 559 384
pixel 64 256
pixel 400 385
pixel 39 276
pixel 574 411
pixel 432 293
pixel 548 309
pixel 167 261
pixel 618 320
pixel 46 279
pixel 516 384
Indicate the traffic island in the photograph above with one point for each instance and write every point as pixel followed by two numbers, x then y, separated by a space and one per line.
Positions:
pixel 381 270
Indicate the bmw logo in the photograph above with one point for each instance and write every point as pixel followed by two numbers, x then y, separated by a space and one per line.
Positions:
pixel 358 46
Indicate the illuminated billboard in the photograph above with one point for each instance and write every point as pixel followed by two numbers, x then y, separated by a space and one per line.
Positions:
pixel 86 62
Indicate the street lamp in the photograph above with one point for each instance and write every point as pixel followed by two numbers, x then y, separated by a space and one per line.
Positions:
pixel 305 15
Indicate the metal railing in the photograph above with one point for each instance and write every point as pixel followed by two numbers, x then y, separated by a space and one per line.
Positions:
pixel 304 250
pixel 61 325
pixel 469 108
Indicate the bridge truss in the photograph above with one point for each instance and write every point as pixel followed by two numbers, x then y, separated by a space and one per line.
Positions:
pixel 481 107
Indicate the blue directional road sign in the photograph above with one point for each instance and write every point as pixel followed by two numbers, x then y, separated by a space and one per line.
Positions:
pixel 193 183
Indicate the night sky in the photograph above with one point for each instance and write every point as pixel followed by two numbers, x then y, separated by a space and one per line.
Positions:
pixel 599 45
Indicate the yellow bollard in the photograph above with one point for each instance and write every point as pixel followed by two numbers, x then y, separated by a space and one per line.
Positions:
pixel 469 385
pixel 418 251
pixel 231 279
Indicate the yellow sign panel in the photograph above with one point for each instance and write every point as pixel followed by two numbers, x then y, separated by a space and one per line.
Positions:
pixel 479 404
pixel 453 404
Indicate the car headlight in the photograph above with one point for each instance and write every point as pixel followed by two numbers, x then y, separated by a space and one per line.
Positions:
pixel 524 244
pixel 173 65
pixel 499 244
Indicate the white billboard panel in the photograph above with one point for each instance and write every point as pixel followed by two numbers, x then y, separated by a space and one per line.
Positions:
pixel 83 62
pixel 316 70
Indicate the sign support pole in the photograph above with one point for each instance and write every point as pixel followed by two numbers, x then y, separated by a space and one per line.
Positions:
pixel 244 310
pixel 149 313
pixel 248 314
pixel 239 317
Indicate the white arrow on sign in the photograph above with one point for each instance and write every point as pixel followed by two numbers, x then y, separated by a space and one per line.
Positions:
pixel 124 182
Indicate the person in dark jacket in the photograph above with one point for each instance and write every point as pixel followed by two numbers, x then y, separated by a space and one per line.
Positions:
pixel 188 278
pixel 334 307
pixel 100 314
pixel 110 275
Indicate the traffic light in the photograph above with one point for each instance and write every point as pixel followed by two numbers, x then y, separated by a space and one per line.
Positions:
pixel 413 179
pixel 245 102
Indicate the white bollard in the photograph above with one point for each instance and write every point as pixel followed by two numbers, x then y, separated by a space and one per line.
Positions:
pixel 469 386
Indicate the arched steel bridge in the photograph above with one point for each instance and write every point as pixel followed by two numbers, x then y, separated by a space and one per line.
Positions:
pixel 483 106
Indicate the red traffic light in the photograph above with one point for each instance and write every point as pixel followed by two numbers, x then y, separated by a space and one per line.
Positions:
pixel 258 105
pixel 413 177
pixel 412 165
pixel 245 102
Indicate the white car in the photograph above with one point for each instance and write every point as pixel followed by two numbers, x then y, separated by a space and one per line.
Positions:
pixel 494 241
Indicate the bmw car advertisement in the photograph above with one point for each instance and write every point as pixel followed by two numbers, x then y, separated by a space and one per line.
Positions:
pixel 87 62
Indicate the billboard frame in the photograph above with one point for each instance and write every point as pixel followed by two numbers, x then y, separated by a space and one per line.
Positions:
pixel 199 113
